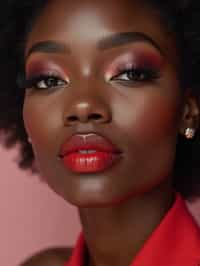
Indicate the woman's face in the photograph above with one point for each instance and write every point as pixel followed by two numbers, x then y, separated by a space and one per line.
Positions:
pixel 97 67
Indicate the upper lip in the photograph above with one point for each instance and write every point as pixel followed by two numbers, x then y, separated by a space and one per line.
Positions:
pixel 90 141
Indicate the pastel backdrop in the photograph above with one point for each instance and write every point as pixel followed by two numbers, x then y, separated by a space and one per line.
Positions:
pixel 32 216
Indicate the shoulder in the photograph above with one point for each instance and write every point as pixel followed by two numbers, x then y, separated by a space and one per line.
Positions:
pixel 49 257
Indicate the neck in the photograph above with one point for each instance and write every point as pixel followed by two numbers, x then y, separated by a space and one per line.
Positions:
pixel 114 235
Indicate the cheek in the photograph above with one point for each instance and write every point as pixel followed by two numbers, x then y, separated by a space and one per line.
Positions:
pixel 42 122
pixel 156 119
pixel 148 122
pixel 148 116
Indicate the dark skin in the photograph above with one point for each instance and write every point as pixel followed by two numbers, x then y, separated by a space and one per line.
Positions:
pixel 120 207
pixel 49 257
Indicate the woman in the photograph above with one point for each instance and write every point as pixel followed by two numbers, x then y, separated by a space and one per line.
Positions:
pixel 103 98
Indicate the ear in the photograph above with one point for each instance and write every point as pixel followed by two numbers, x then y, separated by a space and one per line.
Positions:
pixel 190 113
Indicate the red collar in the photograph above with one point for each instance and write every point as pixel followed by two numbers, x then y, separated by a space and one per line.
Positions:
pixel 175 242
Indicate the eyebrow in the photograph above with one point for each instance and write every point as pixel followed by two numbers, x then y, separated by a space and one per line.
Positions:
pixel 123 38
pixel 108 42
pixel 48 46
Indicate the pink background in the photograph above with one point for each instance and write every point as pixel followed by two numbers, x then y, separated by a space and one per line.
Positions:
pixel 32 216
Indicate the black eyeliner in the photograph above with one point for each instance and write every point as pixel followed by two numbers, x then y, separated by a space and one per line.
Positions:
pixel 32 81
pixel 152 74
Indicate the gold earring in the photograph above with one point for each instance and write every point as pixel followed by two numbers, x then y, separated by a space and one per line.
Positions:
pixel 189 133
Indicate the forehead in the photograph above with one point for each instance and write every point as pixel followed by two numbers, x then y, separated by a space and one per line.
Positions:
pixel 75 21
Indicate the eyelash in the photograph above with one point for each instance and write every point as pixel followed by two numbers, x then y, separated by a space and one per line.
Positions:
pixel 132 75
pixel 33 83
pixel 139 74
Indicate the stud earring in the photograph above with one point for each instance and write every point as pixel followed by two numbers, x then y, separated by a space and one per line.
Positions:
pixel 29 140
pixel 189 133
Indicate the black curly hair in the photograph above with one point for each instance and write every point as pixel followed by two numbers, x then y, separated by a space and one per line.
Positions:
pixel 180 17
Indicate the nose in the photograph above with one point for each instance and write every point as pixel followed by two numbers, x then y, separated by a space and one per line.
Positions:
pixel 88 111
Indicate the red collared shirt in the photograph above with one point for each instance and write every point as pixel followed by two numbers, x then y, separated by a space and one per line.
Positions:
pixel 175 242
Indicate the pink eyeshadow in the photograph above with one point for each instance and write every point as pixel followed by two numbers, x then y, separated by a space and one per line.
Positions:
pixel 135 59
pixel 41 67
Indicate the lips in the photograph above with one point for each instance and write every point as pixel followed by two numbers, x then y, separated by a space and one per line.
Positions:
pixel 89 153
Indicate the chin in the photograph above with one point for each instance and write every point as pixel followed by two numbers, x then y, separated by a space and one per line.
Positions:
pixel 98 199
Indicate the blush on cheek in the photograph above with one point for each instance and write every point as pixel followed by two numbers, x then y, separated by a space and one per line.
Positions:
pixel 42 126
pixel 155 120
pixel 34 124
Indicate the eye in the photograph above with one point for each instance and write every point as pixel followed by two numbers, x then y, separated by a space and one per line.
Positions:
pixel 44 82
pixel 137 75
pixel 49 82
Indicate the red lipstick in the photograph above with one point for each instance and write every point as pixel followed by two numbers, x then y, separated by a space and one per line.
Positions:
pixel 89 153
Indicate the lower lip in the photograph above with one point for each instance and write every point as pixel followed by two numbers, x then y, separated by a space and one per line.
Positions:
pixel 90 163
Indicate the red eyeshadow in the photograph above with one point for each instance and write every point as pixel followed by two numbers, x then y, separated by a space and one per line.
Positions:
pixel 149 59
pixel 35 68
pixel 142 59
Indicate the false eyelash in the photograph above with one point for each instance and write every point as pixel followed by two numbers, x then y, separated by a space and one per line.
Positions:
pixel 152 74
pixel 30 83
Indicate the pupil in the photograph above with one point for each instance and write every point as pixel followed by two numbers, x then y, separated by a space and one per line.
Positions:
pixel 136 75
pixel 133 74
pixel 51 82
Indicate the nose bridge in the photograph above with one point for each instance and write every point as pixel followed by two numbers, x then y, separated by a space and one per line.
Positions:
pixel 88 103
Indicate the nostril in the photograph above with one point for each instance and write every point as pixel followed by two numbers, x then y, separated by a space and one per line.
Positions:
pixel 94 117
pixel 72 118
